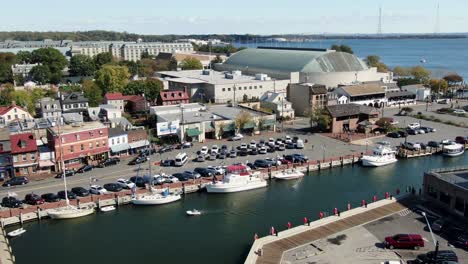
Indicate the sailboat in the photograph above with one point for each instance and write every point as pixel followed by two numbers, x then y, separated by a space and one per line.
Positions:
pixel 69 211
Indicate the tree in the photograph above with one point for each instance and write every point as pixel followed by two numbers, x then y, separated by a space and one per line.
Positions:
pixel 112 78
pixel 24 99
pixel 150 88
pixel 50 57
pixel 421 74
pixel 319 119
pixel 400 71
pixel 82 65
pixel 217 59
pixel 191 64
pixel 102 59
pixel 438 85
pixel 374 61
pixel 40 74
pixel 5 94
pixel 145 55
pixel 242 118
pixel 173 64
pixel 150 66
pixel 92 92
pixel 7 58
pixel 405 111
pixel 407 81
pixel 23 57
pixel 6 75
pixel 342 48
pixel 385 123
pixel 453 79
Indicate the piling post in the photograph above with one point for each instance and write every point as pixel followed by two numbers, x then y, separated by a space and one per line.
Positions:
pixel 78 203
pixel 38 213
pixel 99 203
pixel 319 165
pixel 183 188
pixel 117 201
pixel 308 167
pixel 341 161
pixel 21 218
pixel 269 173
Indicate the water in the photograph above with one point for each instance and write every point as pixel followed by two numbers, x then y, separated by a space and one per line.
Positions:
pixel 223 234
pixel 442 55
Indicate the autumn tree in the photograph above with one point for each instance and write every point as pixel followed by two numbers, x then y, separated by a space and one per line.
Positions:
pixel 242 118
pixel 438 85
pixel 93 92
pixel 191 64
pixel 112 78
pixel 421 74
pixel 318 119
pixel 453 79
pixel 401 71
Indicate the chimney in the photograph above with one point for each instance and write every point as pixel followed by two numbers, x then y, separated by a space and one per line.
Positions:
pixel 13 103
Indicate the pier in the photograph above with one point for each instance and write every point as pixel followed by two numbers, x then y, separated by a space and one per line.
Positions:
pixel 6 254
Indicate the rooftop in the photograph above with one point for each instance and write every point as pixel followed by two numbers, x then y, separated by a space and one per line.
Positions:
pixel 341 110
pixel 21 143
pixel 363 89
pixel 66 129
pixel 455 176
pixel 214 77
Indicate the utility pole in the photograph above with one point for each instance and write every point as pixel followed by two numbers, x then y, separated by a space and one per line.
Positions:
pixel 379 27
pixel 234 99
pixel 182 131
pixel 282 114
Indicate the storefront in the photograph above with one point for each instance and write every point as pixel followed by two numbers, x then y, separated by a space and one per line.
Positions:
pixel 192 134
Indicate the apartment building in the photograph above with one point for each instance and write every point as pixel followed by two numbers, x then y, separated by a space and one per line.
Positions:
pixel 6 165
pixel 24 153
pixel 133 51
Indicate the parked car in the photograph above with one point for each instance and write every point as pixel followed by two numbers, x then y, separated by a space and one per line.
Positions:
pixel 113 187
pixel 404 241
pixel 243 146
pixel 261 143
pixel 428 129
pixel 402 133
pixel 204 172
pixel 460 241
pixel 50 197
pixel 138 181
pixel 243 152
pixel 287 139
pixel 393 135
pixel 290 145
pixel 411 146
pixel 299 144
pixel 459 111
pixel 422 145
pixel 263 163
pixel 80 191
pixel 271 142
pixel 214 149
pixel 138 160
pixel 213 156
pixel 200 158
pixel 70 195
pixel 414 125
pixel 185 145
pixel 147 152
pixel 252 166
pixel 442 255
pixel 16 181
pixel 253 144
pixel 284 161
pixel 280 146
pixel 461 140
pixel 412 131
pixel 433 144
pixel 300 157
pixel 166 149
pixel 274 162
pixel 262 150
pixel 222 155
pixel 237 137
pixel 158 179
pixel 126 184
pixel 85 168
pixel 253 151
pixel 33 199
pixel 233 153
pixel 438 225
pixel 181 176
pixel 271 149
pixel 96 189
pixel 170 179
pixel 204 150
pixel 11 202
pixel 109 162
pixel 192 174
pixel 68 173
pixel 167 163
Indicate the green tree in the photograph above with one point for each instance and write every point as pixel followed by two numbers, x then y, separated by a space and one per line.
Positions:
pixel 82 65
pixel 102 59
pixel 342 48
pixel 112 78
pixel 401 72
pixel 24 99
pixel 145 55
pixel 23 57
pixel 421 74
pixel 319 119
pixel 385 123
pixel 40 74
pixel 407 81
pixel 93 92
pixel 5 94
pixel 217 59
pixel 191 64
pixel 6 75
pixel 150 88
pixel 7 58
pixel 372 60
pixel 173 64
pixel 438 85
pixel 50 57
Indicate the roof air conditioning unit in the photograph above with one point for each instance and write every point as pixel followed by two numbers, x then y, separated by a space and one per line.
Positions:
pixel 206 72
pixel 229 76
pixel 236 73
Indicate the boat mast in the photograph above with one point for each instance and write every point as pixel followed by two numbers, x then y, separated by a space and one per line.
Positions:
pixel 62 162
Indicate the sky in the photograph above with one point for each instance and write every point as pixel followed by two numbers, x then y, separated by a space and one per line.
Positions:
pixel 238 16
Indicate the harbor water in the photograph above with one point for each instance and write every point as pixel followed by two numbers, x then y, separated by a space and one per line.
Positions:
pixel 225 230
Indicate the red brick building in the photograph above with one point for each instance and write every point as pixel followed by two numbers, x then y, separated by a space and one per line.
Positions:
pixel 84 144
pixel 24 153
pixel 173 97
pixel 128 103
pixel 137 139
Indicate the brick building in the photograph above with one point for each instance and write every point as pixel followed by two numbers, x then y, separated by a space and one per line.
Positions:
pixel 305 97
pixel 6 165
pixel 173 97
pixel 83 144
pixel 346 117
pixel 24 153
pixel 137 139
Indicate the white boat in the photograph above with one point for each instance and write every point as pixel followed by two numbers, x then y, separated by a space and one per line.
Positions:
pixel 16 232
pixel 155 198
pixel 453 149
pixel 107 208
pixel 382 155
pixel 193 212
pixel 237 179
pixel 289 175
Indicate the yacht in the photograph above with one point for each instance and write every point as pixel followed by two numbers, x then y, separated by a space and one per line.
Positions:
pixel 237 179
pixel 382 155
pixel 155 198
pixel 453 149
pixel 289 175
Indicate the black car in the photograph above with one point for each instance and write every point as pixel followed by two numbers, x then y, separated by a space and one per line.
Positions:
pixel 252 166
pixel 167 163
pixel 442 255
pixel 50 197
pixel 253 151
pixel 85 168
pixel 461 241
pixel 109 162
pixel 147 152
pixel 412 131
pixel 270 149
pixel 243 152
pixel 402 133
pixel 204 172
pixel 433 144
pixel 393 135
pixel 33 199
pixel 138 181
pixel 222 155
pixel 113 187
pixel 15 181
pixel 70 195
pixel 68 173
pixel 300 157
pixel 166 149
pixel 262 163
pixel 423 146
pixel 80 191
pixel 11 202
pixel 138 160
pixel 181 176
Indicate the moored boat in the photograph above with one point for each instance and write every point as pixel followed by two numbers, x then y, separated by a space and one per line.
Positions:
pixel 69 212
pixel 193 212
pixel 107 208
pixel 289 175
pixel 154 198
pixel 453 149
pixel 381 156
pixel 237 179
pixel 16 232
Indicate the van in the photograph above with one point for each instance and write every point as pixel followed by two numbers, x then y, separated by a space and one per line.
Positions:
pixel 300 144
pixel 404 241
pixel 180 159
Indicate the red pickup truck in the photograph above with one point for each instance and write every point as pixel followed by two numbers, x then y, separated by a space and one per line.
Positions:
pixel 404 241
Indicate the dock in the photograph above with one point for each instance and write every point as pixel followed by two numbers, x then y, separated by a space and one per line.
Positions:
pixel 6 254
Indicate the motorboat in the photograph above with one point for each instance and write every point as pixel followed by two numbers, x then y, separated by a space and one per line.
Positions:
pixel 155 198
pixel 289 175
pixel 382 155
pixel 107 208
pixel 16 232
pixel 453 149
pixel 237 179
pixel 193 212
pixel 69 212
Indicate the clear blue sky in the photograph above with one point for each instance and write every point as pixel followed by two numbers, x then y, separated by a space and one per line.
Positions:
pixel 234 16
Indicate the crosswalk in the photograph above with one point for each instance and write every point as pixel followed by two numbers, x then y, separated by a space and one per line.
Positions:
pixel 405 212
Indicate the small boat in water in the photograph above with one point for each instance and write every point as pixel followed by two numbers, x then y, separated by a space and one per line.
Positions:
pixel 154 198
pixel 237 179
pixel 289 175
pixel 382 155
pixel 16 232
pixel 107 208
pixel 193 212
pixel 453 149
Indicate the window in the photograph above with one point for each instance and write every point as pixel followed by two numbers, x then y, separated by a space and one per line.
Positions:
pixel 229 89
pixel 118 140
pixel 250 87
pixel 72 149
pixel 77 137
pixel 113 142
pixel 33 169
pixel 255 87
pixel 16 110
pixel 82 146
pixel 260 87
pixel 15 158
pixel 91 133
pixel 24 170
pixel 100 132
pixel 33 156
pixel 24 157
pixel 103 142
pixel 97 144
pixel 90 145
pixel 9 117
pixel 63 140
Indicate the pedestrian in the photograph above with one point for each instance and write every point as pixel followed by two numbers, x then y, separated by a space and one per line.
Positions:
pixel 289 225
pixel 419 191
pixel 365 204
pixel 413 191
pixel 339 213
pixel 391 196
pixel 320 215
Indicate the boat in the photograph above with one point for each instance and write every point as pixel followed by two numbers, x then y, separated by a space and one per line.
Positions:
pixel 16 232
pixel 155 198
pixel 107 208
pixel 236 179
pixel 289 175
pixel 381 156
pixel 193 212
pixel 453 149
pixel 69 211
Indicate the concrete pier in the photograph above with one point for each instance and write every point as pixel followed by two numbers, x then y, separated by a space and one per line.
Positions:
pixel 6 254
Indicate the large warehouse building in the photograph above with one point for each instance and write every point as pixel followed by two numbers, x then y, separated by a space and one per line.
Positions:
pixel 320 66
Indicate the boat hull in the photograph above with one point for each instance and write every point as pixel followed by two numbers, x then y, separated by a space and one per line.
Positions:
pixel 291 176
pixel 156 201
pixel 70 214
pixel 377 163
pixel 214 188
pixel 456 154
pixel 16 232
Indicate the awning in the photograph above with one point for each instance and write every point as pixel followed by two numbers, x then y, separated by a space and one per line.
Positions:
pixel 120 147
pixel 139 144
pixel 249 125
pixel 229 127
pixel 192 132
pixel 46 163
pixel 209 127
pixel 269 122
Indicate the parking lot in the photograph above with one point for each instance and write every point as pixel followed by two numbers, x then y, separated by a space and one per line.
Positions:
pixel 363 244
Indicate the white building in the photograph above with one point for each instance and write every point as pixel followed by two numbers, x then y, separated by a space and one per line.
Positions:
pixel 22 69
pixel 133 51
pixel 422 93
pixel 13 113
pixel 278 104
pixel 363 94
pixel 118 142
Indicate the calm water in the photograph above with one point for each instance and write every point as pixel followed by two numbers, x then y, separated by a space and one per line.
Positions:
pixel 223 234
pixel 442 55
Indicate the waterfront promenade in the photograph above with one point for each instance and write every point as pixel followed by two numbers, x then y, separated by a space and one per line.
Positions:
pixel 6 254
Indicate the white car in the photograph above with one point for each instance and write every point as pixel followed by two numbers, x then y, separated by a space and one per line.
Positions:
pixel 170 178
pixel 459 111
pixel 204 150
pixel 126 184
pixel 214 149
pixel 253 144
pixel 273 161
pixel 287 140
pixel 299 144
pixel 262 150
pixel 96 189
pixel 243 146
pixel 414 125
pixel 237 137
pixel 271 142
pixel 218 169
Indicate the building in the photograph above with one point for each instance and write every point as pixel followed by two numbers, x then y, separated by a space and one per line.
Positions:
pixel 91 48
pixel 346 117
pixel 116 99
pixel 305 97
pixel 221 87
pixel 6 164
pixel 197 122
pixel 24 153
pixel 137 139
pixel 173 97
pixel 133 51
pixel 49 108
pixel 86 143
pixel 204 57
pixel 74 102
pixel 135 104
pixel 422 93
pixel 278 104
pixel 22 69
pixel 364 94
pixel 448 188
pixel 400 98
pixel 118 142
pixel 327 67
pixel 12 113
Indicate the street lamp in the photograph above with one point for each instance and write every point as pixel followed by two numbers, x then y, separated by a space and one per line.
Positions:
pixel 436 243
pixel 182 132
